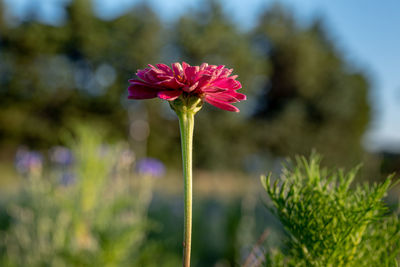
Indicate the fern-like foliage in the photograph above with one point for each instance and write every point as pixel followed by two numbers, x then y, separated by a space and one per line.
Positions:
pixel 328 221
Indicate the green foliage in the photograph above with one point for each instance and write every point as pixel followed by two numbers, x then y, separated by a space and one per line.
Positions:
pixel 99 220
pixel 330 223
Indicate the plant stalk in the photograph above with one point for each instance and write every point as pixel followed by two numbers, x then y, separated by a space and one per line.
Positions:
pixel 186 125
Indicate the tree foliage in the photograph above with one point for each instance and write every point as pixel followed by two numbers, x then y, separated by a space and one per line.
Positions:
pixel 53 76
pixel 313 98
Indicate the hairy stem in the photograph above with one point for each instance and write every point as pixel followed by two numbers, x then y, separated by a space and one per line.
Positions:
pixel 186 125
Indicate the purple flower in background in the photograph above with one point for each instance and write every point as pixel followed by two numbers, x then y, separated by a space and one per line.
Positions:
pixel 61 156
pixel 28 162
pixel 150 166
pixel 67 178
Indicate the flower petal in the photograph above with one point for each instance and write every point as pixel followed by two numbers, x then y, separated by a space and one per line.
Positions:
pixel 139 91
pixel 140 82
pixel 169 84
pixel 227 83
pixel 203 66
pixel 224 98
pixel 225 73
pixel 148 75
pixel 191 73
pixel 178 70
pixel 169 95
pixel 189 89
pixel 238 96
pixel 220 104
pixel 213 89
pixel 165 68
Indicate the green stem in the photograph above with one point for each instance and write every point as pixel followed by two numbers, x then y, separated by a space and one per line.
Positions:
pixel 186 125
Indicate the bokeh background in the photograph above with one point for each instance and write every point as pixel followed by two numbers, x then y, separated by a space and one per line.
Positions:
pixel 319 77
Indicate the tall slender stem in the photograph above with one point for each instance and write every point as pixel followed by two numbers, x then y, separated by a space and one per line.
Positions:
pixel 186 125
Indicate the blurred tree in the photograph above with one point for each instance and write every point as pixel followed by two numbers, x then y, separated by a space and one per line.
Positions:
pixel 314 98
pixel 54 75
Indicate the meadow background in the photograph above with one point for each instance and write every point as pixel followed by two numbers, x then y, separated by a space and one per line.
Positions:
pixel 88 169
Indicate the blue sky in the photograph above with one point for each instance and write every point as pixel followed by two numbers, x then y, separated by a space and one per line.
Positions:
pixel 366 31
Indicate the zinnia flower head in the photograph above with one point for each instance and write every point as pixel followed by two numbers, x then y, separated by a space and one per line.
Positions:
pixel 210 83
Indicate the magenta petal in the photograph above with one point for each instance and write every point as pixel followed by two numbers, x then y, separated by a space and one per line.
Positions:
pixel 139 82
pixel 238 96
pixel 227 83
pixel 203 66
pixel 224 98
pixel 153 76
pixel 177 68
pixel 138 91
pixel 227 96
pixel 220 104
pixel 205 80
pixel 190 88
pixel 169 95
pixel 225 73
pixel 192 73
pixel 152 67
pixel 213 89
pixel 170 83
pixel 165 68
pixel 141 73
pixel 134 81
pixel 184 66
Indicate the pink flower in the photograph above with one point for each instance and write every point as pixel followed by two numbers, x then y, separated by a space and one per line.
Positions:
pixel 213 84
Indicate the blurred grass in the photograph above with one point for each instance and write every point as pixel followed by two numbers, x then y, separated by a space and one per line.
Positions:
pixel 229 215
pixel 88 213
pixel 9 179
pixel 224 184
pixel 221 184
pixel 96 218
